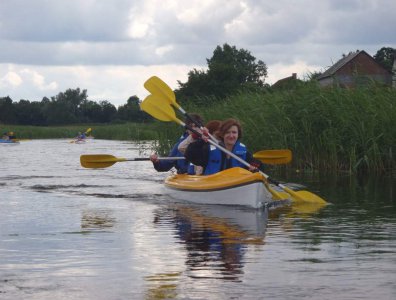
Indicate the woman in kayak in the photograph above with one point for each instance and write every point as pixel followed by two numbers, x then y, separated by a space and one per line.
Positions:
pixel 213 159
pixel 180 165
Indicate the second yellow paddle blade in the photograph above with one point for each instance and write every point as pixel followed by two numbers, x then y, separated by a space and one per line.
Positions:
pixel 158 87
pixel 157 109
pixel 274 156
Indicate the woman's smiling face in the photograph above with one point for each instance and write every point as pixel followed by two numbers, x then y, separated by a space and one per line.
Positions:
pixel 231 136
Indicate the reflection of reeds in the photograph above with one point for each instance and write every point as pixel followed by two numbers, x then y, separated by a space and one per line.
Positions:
pixel 162 286
pixel 96 220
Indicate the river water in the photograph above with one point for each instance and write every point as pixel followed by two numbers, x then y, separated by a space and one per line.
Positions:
pixel 67 232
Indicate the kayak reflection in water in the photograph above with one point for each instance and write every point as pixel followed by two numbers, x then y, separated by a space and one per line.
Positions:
pixel 212 243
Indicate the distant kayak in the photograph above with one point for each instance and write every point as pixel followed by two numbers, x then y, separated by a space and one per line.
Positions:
pixel 78 141
pixel 8 141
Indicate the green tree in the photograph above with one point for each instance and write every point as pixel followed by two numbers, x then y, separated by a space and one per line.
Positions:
pixel 91 111
pixel 108 111
pixel 29 113
pixel 65 108
pixel 131 111
pixel 385 57
pixel 7 111
pixel 229 71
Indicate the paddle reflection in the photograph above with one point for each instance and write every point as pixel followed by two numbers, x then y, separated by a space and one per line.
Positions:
pixel 216 237
pixel 301 210
pixel 290 216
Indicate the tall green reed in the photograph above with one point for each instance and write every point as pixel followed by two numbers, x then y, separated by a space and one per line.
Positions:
pixel 352 130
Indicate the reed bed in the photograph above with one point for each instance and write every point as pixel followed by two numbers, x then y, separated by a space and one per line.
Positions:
pixel 352 130
pixel 331 130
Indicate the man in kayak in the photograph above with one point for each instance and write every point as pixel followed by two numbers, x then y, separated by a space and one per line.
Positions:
pixel 214 160
pixel 81 136
pixel 212 127
pixel 5 136
pixel 180 165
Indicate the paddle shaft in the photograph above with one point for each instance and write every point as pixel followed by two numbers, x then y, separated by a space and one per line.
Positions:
pixel 199 124
pixel 159 158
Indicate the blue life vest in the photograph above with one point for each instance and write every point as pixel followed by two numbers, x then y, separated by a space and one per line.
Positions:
pixel 191 169
pixel 217 159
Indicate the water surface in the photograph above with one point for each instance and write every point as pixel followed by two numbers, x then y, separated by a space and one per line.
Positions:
pixel 74 233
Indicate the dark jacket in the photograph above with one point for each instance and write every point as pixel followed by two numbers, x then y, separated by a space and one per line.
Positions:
pixel 180 165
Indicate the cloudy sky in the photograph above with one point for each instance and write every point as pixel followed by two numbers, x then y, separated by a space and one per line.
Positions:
pixel 110 47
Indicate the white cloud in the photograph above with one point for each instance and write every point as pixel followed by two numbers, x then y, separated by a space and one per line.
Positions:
pixel 10 79
pixel 111 47
pixel 113 83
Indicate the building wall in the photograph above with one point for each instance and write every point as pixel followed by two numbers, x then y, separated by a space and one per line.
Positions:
pixel 363 65
pixel 359 71
pixel 328 81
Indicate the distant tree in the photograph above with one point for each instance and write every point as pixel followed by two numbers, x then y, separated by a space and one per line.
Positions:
pixel 65 108
pixel 91 111
pixel 385 57
pixel 229 70
pixel 108 111
pixel 29 113
pixel 59 113
pixel 71 106
pixel 7 111
pixel 131 111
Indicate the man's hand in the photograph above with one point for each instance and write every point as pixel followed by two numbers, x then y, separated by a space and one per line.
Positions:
pixel 154 158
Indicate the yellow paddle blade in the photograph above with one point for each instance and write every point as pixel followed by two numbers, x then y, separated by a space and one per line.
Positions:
pixel 274 157
pixel 278 195
pixel 99 160
pixel 159 110
pixel 303 196
pixel 158 87
pixel 88 131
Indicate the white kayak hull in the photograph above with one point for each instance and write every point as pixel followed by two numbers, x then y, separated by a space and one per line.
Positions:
pixel 254 195
pixel 234 186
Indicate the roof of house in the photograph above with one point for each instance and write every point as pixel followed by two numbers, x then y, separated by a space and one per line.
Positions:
pixel 286 80
pixel 339 64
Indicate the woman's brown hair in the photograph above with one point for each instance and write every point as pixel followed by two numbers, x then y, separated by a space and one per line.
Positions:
pixel 213 126
pixel 226 124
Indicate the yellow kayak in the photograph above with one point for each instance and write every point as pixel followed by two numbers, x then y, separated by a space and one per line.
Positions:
pixel 235 186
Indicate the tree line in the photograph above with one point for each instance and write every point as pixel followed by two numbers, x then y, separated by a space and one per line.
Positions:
pixel 229 71
pixel 69 107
